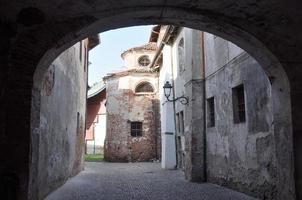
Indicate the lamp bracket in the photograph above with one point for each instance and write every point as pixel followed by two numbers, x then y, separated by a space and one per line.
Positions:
pixel 182 99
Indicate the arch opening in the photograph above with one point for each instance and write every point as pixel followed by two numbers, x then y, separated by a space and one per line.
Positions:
pixel 144 87
pixel 273 68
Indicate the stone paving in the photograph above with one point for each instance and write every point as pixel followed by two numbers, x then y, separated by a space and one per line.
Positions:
pixel 138 181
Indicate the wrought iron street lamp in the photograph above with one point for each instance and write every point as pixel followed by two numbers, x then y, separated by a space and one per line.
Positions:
pixel 167 91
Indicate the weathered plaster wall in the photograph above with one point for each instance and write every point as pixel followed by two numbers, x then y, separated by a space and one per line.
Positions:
pixel 242 155
pixel 59 137
pixel 123 106
pixel 181 66
pixel 187 72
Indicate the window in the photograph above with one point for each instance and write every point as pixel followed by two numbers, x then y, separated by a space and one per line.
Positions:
pixel 144 61
pixel 211 112
pixel 144 87
pixel 180 122
pixel 238 104
pixel 181 55
pixel 136 129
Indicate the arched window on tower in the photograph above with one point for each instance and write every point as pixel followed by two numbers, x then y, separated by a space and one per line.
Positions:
pixel 144 87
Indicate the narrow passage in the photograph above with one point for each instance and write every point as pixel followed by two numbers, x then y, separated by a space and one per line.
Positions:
pixel 138 181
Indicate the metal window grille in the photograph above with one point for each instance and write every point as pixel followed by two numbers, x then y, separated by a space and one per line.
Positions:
pixel 136 129
pixel 239 104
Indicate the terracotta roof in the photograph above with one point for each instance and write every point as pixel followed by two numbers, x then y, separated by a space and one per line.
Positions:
pixel 151 46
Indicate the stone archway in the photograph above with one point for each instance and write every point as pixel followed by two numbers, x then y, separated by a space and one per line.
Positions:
pixel 34 47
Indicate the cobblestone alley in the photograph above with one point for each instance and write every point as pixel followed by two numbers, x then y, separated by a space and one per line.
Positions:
pixel 138 181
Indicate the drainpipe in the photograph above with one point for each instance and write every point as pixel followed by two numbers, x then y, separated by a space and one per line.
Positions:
pixel 204 109
pixel 93 139
pixel 86 96
pixel 174 107
pixel 156 120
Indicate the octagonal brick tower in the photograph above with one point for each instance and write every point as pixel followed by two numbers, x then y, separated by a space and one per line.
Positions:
pixel 133 109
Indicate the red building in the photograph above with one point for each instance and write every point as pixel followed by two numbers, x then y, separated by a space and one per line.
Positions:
pixel 96 119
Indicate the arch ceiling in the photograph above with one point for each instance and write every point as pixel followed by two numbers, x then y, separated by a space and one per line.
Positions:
pixel 33 33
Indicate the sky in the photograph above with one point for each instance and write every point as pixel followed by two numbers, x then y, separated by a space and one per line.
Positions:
pixel 106 57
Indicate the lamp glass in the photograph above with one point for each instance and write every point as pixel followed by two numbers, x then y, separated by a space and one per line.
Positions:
pixel 167 89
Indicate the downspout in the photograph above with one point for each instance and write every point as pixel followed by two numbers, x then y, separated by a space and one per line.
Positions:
pixel 174 108
pixel 93 139
pixel 156 120
pixel 204 109
pixel 86 113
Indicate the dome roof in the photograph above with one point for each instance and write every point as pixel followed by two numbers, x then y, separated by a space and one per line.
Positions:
pixel 151 46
